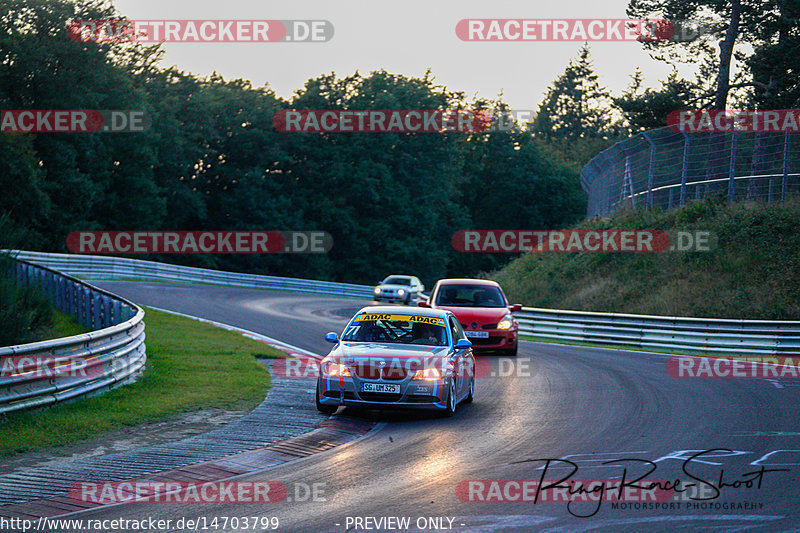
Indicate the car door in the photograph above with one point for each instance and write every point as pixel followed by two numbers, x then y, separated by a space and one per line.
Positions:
pixel 462 359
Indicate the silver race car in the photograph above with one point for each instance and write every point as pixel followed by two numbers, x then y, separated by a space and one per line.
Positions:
pixel 389 357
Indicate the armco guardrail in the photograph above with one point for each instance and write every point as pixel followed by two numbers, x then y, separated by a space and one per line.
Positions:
pixel 696 335
pixel 107 267
pixel 43 373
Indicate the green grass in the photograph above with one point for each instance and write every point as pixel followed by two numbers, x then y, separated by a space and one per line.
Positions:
pixel 752 273
pixel 191 366
pixel 64 325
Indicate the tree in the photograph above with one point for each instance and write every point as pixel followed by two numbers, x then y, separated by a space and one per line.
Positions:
pixel 575 105
pixel 733 22
pixel 647 109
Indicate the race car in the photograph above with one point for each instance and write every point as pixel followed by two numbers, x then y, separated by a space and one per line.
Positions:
pixel 390 357
pixel 483 311
pixel 398 288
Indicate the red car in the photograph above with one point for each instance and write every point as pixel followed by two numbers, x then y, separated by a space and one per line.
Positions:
pixel 482 309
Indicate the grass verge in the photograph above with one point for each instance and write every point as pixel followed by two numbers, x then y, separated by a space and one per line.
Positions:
pixel 752 273
pixel 191 366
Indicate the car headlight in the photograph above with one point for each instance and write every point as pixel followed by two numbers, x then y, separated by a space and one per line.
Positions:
pixel 401 292
pixel 377 290
pixel 336 369
pixel 506 323
pixel 428 374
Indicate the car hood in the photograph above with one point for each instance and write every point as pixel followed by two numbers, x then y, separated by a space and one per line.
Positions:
pixel 481 315
pixel 395 287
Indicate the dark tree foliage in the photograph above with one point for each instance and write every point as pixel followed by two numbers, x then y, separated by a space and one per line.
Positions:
pixel 213 160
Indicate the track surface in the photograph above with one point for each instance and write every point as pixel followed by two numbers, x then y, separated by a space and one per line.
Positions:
pixel 550 402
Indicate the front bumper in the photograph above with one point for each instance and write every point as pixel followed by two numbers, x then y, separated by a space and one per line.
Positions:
pixel 392 298
pixel 347 392
pixel 498 339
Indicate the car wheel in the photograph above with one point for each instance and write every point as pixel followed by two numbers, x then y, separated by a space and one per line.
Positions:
pixel 471 395
pixel 512 351
pixel 407 300
pixel 452 402
pixel 326 409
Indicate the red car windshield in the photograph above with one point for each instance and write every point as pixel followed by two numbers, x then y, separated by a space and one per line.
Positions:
pixel 470 296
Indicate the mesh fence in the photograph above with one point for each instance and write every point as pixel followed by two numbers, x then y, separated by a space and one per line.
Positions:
pixel 665 168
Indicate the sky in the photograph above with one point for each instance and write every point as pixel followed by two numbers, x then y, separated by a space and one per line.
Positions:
pixel 406 37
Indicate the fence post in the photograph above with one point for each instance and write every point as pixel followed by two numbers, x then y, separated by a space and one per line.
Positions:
pixel 784 183
pixel 732 171
pixel 685 167
pixel 650 170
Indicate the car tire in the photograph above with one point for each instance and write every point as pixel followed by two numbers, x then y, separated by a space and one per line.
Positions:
pixel 471 395
pixel 325 409
pixel 407 301
pixel 452 401
pixel 512 352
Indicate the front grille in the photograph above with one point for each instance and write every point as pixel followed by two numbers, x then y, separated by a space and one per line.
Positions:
pixel 368 371
pixel 379 397
pixel 389 373
pixel 395 373
pixel 485 326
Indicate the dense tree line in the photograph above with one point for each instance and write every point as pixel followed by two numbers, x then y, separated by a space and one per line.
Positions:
pixel 213 160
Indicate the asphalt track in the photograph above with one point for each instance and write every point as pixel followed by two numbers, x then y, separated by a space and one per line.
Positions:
pixel 588 405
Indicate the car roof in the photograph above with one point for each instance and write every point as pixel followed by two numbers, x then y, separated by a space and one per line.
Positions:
pixel 468 281
pixel 399 276
pixel 397 310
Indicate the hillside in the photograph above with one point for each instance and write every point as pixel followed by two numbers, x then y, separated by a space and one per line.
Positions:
pixel 754 272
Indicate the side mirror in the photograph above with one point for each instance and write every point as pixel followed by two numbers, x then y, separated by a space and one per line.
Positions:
pixel 516 307
pixel 332 337
pixel 423 304
pixel 463 344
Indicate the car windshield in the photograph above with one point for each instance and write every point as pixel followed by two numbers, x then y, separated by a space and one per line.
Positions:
pixel 397 281
pixel 400 329
pixel 470 296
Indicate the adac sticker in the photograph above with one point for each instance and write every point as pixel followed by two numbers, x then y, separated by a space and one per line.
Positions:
pixel 372 317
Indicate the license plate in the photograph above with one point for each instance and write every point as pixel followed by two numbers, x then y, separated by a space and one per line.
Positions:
pixel 478 334
pixel 390 388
